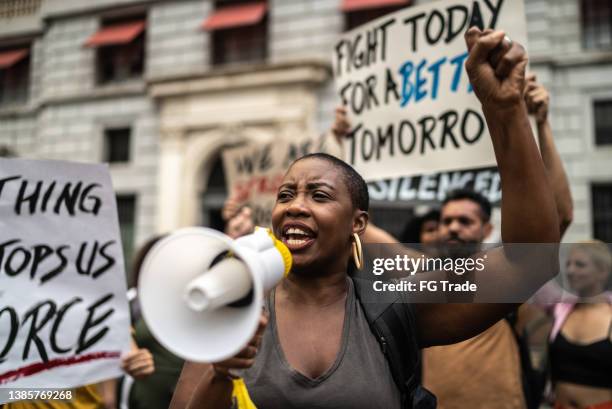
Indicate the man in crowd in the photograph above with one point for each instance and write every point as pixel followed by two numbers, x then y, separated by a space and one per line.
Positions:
pixel 484 371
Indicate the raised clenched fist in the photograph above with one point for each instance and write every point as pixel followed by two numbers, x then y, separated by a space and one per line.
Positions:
pixel 496 68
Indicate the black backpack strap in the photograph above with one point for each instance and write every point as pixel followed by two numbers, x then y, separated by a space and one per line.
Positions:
pixel 393 323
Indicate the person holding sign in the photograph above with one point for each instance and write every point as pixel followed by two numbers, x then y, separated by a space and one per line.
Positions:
pixel 318 349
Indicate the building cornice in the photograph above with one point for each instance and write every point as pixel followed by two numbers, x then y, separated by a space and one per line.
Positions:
pixel 586 58
pixel 305 72
pixel 54 9
pixel 111 91
pixel 18 111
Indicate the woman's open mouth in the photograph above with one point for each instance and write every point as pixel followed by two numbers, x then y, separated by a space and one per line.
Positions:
pixel 297 237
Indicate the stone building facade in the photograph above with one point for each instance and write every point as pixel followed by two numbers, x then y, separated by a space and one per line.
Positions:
pixel 161 121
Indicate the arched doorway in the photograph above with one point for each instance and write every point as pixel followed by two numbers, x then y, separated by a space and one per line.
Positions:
pixel 213 196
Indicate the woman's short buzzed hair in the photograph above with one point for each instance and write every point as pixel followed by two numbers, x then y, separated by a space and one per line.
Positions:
pixel 357 187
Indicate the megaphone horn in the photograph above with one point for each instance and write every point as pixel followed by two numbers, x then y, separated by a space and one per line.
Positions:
pixel 201 293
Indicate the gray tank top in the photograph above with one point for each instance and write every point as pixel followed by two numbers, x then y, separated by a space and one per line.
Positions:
pixel 359 378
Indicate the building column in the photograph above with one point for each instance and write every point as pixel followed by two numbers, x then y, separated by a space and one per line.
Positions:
pixel 171 164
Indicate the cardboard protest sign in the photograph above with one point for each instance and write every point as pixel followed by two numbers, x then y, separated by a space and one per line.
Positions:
pixel 64 319
pixel 254 172
pixel 403 81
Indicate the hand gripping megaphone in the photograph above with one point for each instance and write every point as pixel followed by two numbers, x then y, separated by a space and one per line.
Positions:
pixel 201 293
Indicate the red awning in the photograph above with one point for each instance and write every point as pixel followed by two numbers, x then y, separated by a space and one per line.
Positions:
pixel 235 16
pixel 10 58
pixel 116 34
pixel 354 5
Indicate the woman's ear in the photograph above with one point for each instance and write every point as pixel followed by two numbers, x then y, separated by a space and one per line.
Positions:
pixel 360 221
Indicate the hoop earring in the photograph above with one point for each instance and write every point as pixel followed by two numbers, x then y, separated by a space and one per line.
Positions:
pixel 357 252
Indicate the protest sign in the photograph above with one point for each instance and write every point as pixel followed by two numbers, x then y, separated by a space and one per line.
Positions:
pixel 254 172
pixel 64 319
pixel 433 188
pixel 408 97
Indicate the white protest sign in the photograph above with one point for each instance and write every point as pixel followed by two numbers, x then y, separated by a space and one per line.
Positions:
pixel 403 81
pixel 254 172
pixel 64 319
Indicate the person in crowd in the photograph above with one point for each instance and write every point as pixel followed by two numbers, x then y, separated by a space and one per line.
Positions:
pixel 422 229
pixel 321 210
pixel 238 220
pixel 491 359
pixel 580 350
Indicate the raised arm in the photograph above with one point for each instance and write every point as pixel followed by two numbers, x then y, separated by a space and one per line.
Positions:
pixel 528 208
pixel 537 99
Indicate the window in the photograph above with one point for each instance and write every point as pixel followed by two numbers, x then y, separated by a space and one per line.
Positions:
pixel 120 52
pixel 239 32
pixel 601 198
pixel 117 145
pixel 597 24
pixel 14 76
pixel 214 196
pixel 358 12
pixel 126 211
pixel 18 8
pixel 603 122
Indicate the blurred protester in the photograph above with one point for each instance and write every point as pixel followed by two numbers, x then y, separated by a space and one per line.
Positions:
pixel 239 220
pixel 491 360
pixel 230 208
pixel 422 229
pixel 341 125
pixel 581 340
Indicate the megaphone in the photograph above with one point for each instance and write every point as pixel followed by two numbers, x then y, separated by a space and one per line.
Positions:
pixel 201 293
